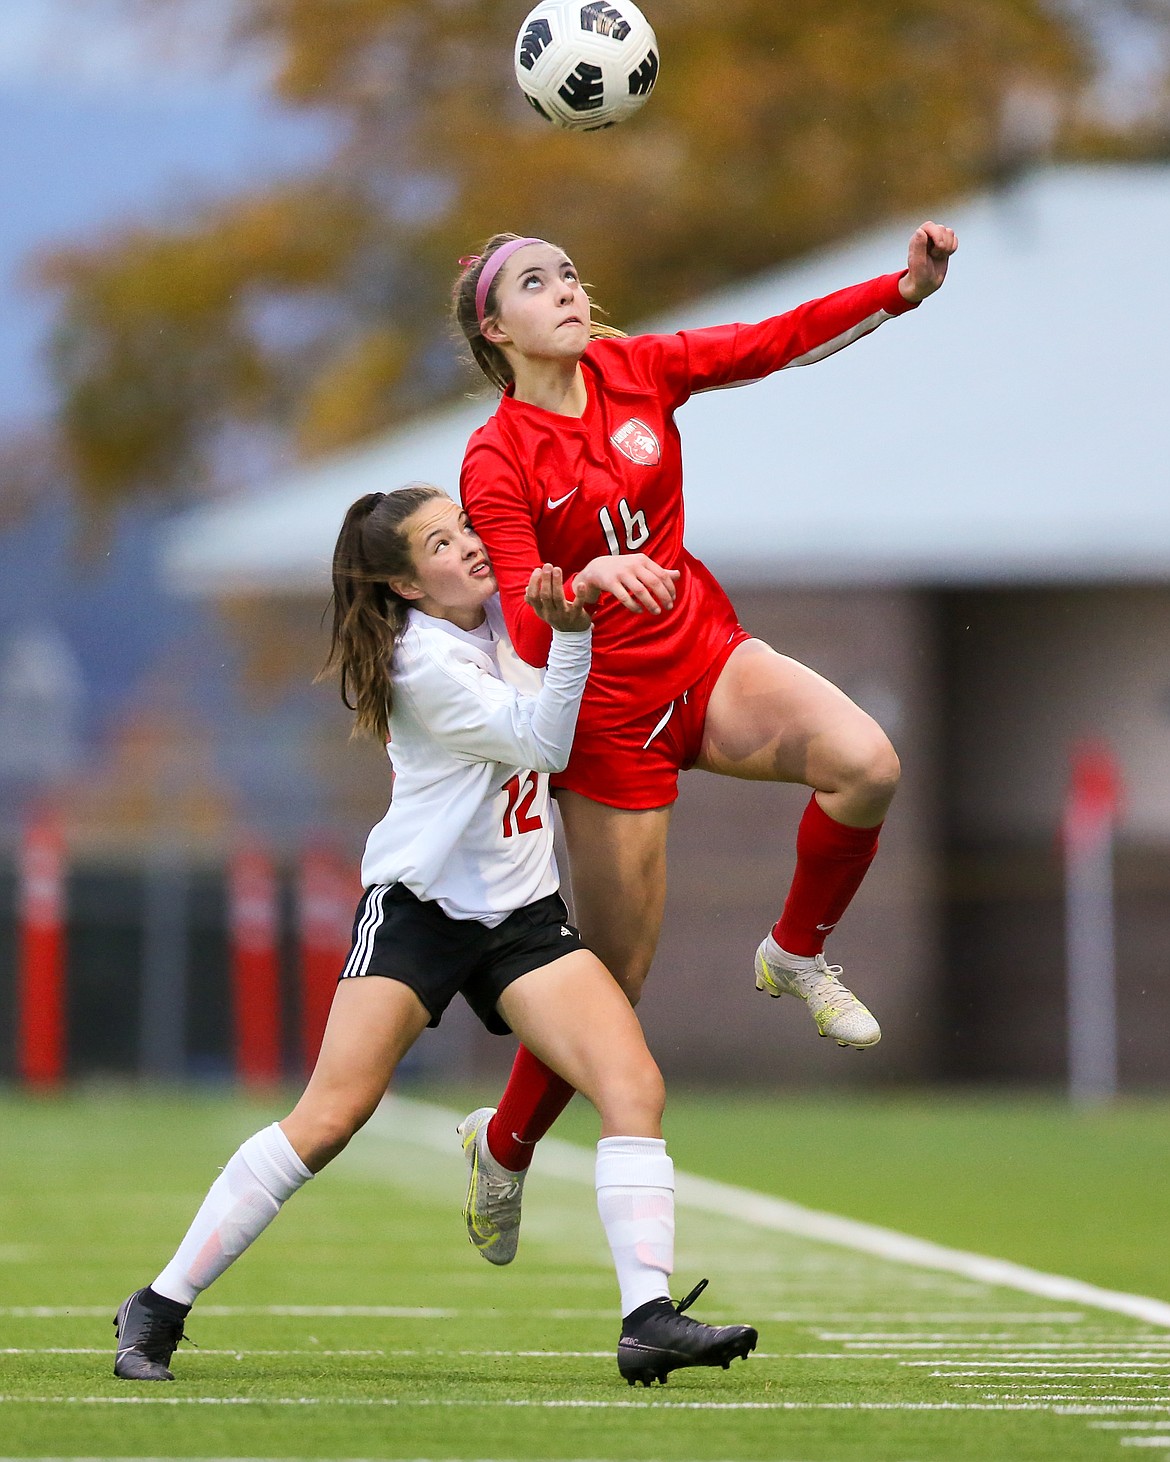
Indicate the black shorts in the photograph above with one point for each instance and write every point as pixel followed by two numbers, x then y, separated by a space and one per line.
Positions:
pixel 413 941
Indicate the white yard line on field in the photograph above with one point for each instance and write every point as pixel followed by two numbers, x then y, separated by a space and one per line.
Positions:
pixel 403 1403
pixel 432 1127
pixel 247 1353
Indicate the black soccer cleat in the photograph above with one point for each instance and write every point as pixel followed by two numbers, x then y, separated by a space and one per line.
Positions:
pixel 658 1338
pixel 149 1328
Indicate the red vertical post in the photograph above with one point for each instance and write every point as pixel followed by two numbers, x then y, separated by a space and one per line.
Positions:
pixel 254 925
pixel 1090 817
pixel 40 975
pixel 326 894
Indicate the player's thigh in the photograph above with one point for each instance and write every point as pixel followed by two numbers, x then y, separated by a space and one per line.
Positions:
pixel 373 1022
pixel 617 860
pixel 573 1016
pixel 770 718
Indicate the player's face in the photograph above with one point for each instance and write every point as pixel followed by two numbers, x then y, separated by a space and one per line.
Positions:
pixel 542 310
pixel 451 576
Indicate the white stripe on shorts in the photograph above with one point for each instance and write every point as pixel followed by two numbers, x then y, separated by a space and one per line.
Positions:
pixel 654 733
pixel 363 944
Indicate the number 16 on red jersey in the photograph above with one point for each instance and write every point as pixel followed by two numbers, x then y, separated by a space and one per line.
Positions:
pixel 634 524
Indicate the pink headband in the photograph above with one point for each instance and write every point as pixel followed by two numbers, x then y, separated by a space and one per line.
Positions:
pixel 492 268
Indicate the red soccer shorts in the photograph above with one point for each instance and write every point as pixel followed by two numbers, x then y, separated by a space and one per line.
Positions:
pixel 635 766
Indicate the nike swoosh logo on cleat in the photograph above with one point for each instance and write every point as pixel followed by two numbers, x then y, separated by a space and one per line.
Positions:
pixel 556 502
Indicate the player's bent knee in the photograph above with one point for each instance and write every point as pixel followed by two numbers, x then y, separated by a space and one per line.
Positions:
pixel 871 768
pixel 634 1098
pixel 326 1132
pixel 884 770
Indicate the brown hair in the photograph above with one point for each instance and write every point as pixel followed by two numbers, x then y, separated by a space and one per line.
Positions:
pixel 488 357
pixel 368 616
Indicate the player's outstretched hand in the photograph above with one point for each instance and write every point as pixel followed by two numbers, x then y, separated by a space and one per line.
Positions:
pixel 633 579
pixel 930 252
pixel 546 594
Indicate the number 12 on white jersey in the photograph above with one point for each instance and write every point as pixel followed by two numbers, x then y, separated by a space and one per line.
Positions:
pixel 634 523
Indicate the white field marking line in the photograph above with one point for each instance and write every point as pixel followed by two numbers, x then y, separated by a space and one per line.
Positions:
pixel 243 1353
pixel 426 1312
pixel 302 1312
pixel 1106 1376
pixel 420 1402
pixel 236 1353
pixel 860 1348
pixel 240 1352
pixel 997 1363
pixel 1053 1396
pixel 965 1317
pixel 1083 1339
pixel 990 1353
pixel 433 1127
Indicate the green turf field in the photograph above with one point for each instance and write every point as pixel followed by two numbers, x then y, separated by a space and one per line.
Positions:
pixel 362 1325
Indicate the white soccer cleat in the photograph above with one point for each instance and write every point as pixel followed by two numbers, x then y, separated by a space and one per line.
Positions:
pixel 492 1208
pixel 836 1010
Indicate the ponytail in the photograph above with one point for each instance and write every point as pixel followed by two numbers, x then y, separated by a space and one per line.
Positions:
pixel 368 616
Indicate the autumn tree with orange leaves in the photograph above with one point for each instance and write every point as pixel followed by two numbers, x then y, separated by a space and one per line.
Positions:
pixel 291 322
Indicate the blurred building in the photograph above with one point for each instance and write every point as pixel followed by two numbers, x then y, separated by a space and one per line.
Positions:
pixel 963 521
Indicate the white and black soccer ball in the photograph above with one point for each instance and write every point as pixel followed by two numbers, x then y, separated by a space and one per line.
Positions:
pixel 586 64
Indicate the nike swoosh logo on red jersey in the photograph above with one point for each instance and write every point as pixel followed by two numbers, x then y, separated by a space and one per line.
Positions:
pixel 555 502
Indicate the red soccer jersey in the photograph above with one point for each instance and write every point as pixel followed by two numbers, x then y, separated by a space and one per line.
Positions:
pixel 545 488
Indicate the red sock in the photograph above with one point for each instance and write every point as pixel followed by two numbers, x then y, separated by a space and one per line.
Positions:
pixel 831 861
pixel 532 1101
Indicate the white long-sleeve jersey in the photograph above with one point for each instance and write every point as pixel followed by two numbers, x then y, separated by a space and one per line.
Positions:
pixel 473 736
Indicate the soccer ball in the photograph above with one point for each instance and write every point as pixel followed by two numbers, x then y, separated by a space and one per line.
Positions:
pixel 586 64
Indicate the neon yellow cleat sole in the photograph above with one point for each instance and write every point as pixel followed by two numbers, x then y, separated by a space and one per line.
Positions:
pixel 492 1207
pixel 837 1012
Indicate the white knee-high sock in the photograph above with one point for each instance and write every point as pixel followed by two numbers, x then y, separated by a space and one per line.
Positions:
pixel 635 1198
pixel 239 1206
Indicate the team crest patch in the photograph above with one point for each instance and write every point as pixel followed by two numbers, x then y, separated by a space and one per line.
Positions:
pixel 638 442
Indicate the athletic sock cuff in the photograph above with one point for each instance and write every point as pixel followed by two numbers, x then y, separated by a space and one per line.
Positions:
pixel 836 839
pixel 273 1162
pixel 633 1162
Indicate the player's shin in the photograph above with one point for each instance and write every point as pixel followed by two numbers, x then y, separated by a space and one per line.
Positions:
pixel 635 1198
pixel 258 1179
pixel 531 1102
